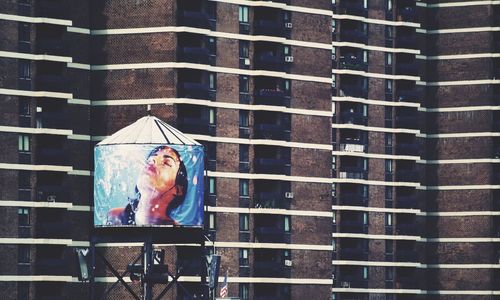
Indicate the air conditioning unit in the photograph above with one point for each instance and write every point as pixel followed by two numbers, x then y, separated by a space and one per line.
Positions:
pixel 288 25
pixel 247 61
pixel 345 284
pixel 288 262
pixel 51 198
pixel 289 59
pixel 289 195
pixel 334 57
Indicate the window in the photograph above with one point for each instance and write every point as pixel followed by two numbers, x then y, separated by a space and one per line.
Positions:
pixel 23 254
pixel 244 84
pixel 334 217
pixel 334 245
pixel 243 14
pixel 388 219
pixel 388 139
pixel 365 191
pixel 244 294
pixel 334 190
pixel 244 153
pixel 287 87
pixel 365 218
pixel 334 81
pixel 211 150
pixel 389 273
pixel 24 69
pixel 286 223
pixel 244 118
pixel 286 50
pixel 212 81
pixel 389 246
pixel 388 5
pixel 365 164
pixel 389 33
pixel 334 53
pixel 24 143
pixel 365 4
pixel 388 59
pixel 24 180
pixel 244 224
pixel 211 221
pixel 334 162
pixel 244 187
pixel 388 87
pixel 365 272
pixel 243 257
pixel 334 26
pixel 24 106
pixel 23 216
pixel 211 186
pixel 212 48
pixel 212 10
pixel 244 49
pixel 365 110
pixel 388 192
pixel 24 32
pixel 211 116
pixel 388 166
pixel 365 56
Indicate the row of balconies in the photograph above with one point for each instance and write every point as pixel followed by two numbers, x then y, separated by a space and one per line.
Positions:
pixel 357 86
pixel 57 9
pixel 355 59
pixel 358 277
pixel 399 10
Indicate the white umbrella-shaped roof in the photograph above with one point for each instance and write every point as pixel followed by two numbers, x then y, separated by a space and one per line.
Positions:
pixel 149 130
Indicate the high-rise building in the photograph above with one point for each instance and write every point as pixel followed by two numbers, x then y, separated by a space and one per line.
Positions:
pixel 395 197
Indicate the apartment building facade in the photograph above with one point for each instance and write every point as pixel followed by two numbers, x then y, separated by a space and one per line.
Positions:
pixel 351 145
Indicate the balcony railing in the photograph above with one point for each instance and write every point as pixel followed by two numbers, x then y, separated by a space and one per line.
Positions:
pixel 271 131
pixel 270 97
pixel 406 201
pixel 196 19
pixel 51 266
pixel 407 68
pixel 352 147
pixel 356 226
pixel 52 9
pixel 353 90
pixel 408 176
pixel 271 200
pixel 406 41
pixel 270 235
pixel 407 122
pixel 195 126
pixel 353 254
pixel 357 199
pixel 406 255
pixel 265 27
pixel 56 83
pixel 52 156
pixel 406 229
pixel 406 14
pixel 353 8
pixel 272 166
pixel 348 117
pixel 271 62
pixel 196 55
pixel 190 267
pixel 268 269
pixel 52 193
pixel 407 149
pixel 354 35
pixel 352 62
pixel 408 96
pixel 51 46
pixel 194 90
pixel 353 173
pixel 53 230
pixel 351 281
pixel 58 120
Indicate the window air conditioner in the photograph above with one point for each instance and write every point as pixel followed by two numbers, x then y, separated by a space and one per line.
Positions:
pixel 289 195
pixel 51 198
pixel 288 25
pixel 247 61
pixel 345 284
pixel 288 262
pixel 289 59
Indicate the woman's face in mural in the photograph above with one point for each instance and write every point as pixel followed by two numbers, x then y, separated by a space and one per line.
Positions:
pixel 160 172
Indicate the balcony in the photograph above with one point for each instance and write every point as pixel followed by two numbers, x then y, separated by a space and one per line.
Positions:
pixel 406 41
pixel 52 156
pixel 265 27
pixel 268 269
pixel 52 9
pixel 271 200
pixel 57 83
pixel 353 254
pixel 406 255
pixel 353 147
pixel 356 226
pixel 351 281
pixel 356 199
pixel 406 14
pixel 406 229
pixel 272 166
pixel 268 234
pixel 195 55
pixel 349 117
pixel 353 173
pixel 351 62
pixel 190 267
pixel 271 131
pixel 407 176
pixel 410 122
pixel 56 229
pixel 353 90
pixel 51 266
pixel 354 35
pixel 194 90
pixel 406 201
pixel 58 120
pixel 407 149
pixel 408 96
pixel 52 46
pixel 52 193
pixel 407 68
pixel 196 19
pixel 407 282
pixel 269 61
pixel 353 8
pixel 270 97
pixel 195 126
